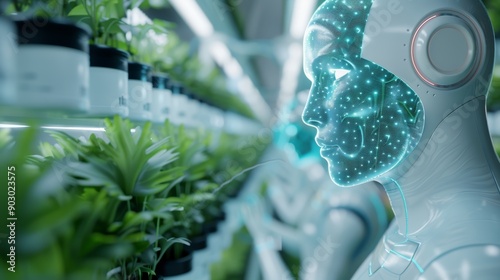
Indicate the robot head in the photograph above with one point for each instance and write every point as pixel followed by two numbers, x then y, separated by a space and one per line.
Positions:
pixel 377 65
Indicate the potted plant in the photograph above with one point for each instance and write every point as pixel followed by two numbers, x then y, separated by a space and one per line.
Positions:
pixel 140 69
pixel 52 58
pixel 154 52
pixel 108 58
pixel 161 98
pixel 140 89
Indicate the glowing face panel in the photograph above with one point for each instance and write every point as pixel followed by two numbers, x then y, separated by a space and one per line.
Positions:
pixel 367 119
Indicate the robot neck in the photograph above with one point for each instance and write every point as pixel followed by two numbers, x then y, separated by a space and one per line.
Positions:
pixel 457 170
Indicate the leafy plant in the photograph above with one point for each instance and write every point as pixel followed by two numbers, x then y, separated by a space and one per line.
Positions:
pixel 49 217
pixel 493 100
pixel 494 12
pixel 128 170
pixel 148 41
pixel 193 189
pixel 105 18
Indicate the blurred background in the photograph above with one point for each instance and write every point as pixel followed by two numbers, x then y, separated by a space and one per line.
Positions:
pixel 258 45
pixel 259 42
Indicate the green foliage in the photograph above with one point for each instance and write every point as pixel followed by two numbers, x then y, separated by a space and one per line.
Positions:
pixel 105 19
pixel 234 260
pixel 91 207
pixel 493 7
pixel 128 171
pixel 154 4
pixel 148 41
pixel 494 94
pixel 496 144
pixel 49 243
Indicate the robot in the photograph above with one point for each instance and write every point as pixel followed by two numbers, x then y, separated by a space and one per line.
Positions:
pixel 398 97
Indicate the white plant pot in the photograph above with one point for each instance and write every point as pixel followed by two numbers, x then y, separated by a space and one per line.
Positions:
pixel 8 53
pixel 183 109
pixel 108 92
pixel 161 99
pixel 178 114
pixel 108 81
pixel 140 91
pixel 174 110
pixel 53 66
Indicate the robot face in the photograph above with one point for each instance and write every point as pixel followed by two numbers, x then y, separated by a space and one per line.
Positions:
pixel 367 119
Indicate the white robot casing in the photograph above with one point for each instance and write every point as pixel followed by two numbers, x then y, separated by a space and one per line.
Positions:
pixel 400 36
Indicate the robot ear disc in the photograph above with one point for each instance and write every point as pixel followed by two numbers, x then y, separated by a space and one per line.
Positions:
pixel 446 50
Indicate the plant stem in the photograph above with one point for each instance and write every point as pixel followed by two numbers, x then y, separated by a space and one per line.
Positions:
pixel 95 20
pixel 156 260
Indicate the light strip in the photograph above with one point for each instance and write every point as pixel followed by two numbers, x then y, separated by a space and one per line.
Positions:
pixel 233 69
pixel 76 128
pixel 194 16
pixel 291 71
pixel 12 126
pixel 302 11
pixel 220 52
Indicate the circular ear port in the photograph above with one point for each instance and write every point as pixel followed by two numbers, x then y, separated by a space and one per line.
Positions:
pixel 445 51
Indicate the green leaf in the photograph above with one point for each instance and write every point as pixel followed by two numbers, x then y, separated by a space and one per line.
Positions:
pixel 166 244
pixel 78 10
pixel 165 204
pixel 50 222
pixel 112 26
pixel 133 219
pixel 156 178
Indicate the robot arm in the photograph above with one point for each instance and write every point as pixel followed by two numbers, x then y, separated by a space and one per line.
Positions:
pixel 262 224
pixel 289 209
pixel 266 246
pixel 273 267
pixel 292 194
pixel 329 256
pixel 338 241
